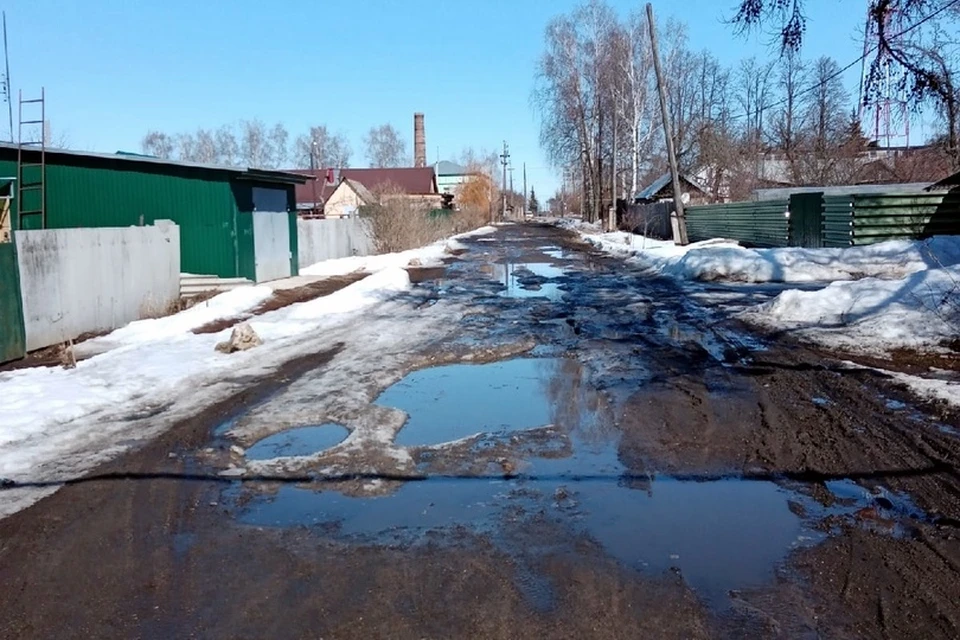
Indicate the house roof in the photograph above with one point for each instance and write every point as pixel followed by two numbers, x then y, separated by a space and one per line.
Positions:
pixel 410 180
pixel 948 182
pixel 649 192
pixel 447 168
pixel 841 190
pixel 362 192
pixel 251 173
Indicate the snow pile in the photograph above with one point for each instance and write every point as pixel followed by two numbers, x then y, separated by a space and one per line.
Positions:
pixel 229 304
pixel 51 417
pixel 726 260
pixel 871 314
pixel 429 255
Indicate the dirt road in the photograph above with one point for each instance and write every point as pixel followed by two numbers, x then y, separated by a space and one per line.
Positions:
pixel 536 441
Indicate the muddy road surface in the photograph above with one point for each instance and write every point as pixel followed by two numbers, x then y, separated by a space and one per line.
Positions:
pixel 535 441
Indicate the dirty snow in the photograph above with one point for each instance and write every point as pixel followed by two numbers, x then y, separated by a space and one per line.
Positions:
pixel 918 312
pixel 726 260
pixel 429 255
pixel 56 420
pixel 225 305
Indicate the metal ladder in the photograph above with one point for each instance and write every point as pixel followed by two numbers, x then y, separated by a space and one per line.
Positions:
pixel 35 172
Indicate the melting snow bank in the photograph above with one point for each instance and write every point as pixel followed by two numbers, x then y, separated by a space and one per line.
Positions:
pixel 874 315
pixel 429 255
pixel 55 421
pixel 726 260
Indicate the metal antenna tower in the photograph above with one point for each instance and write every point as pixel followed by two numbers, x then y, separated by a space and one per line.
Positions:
pixel 883 111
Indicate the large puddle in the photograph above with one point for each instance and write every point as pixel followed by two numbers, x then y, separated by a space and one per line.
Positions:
pixel 454 401
pixel 301 441
pixel 718 534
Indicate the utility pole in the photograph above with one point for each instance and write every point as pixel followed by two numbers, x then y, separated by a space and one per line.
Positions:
pixel 504 160
pixel 7 90
pixel 680 231
pixel 513 199
pixel 612 218
pixel 525 194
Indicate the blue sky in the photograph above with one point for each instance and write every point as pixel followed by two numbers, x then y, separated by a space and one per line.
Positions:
pixel 114 69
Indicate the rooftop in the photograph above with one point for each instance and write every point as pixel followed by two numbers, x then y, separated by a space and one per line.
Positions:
pixel 136 158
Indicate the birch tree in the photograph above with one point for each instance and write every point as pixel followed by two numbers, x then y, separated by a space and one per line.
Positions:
pixel 323 149
pixel 385 147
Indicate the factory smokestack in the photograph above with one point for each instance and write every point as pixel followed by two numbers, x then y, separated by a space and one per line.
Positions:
pixel 419 142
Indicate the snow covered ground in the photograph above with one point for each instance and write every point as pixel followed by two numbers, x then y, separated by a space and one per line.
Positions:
pixel 57 423
pixel 727 261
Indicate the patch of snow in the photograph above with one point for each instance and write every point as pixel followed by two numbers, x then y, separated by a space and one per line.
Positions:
pixel 430 255
pixel 55 421
pixel 229 304
pixel 917 312
pixel 720 259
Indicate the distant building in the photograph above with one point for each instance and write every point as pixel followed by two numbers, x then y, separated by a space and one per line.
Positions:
pixel 450 175
pixel 346 199
pixel 418 183
pixel 661 189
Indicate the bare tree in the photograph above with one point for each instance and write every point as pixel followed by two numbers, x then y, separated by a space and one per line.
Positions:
pixel 185 146
pixel 329 150
pixel 574 94
pixel 635 102
pixel 58 140
pixel 278 143
pixel 826 105
pixel 482 160
pixel 385 147
pixel 158 144
pixel 205 147
pixel 255 148
pixel 787 120
pixel 228 150
pixel 904 46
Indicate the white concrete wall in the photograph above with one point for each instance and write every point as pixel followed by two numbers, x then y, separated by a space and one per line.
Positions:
pixel 79 280
pixel 326 239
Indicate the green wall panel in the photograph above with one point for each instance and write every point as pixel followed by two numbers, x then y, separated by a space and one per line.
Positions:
pixel 12 338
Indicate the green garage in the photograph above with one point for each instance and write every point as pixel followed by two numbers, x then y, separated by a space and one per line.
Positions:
pixel 234 222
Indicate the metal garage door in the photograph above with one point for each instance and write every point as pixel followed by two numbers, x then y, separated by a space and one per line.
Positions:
pixel 271 245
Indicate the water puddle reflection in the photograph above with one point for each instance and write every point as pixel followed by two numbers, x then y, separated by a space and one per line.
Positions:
pixel 301 441
pixel 529 280
pixel 454 401
pixel 719 534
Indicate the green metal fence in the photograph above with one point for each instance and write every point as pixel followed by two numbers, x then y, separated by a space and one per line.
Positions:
pixel 759 224
pixel 866 219
pixel 12 338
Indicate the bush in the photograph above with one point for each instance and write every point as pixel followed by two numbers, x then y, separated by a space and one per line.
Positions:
pixel 401 223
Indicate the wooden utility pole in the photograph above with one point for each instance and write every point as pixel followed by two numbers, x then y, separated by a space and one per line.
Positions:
pixel 525 194
pixel 612 218
pixel 680 232
pixel 504 160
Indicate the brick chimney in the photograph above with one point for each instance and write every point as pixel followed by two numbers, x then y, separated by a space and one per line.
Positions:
pixel 419 142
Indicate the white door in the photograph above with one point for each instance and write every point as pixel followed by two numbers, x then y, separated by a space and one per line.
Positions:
pixel 271 245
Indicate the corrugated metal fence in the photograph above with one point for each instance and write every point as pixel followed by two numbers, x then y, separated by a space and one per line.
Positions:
pixel 865 219
pixel 759 224
pixel 831 221
pixel 12 336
